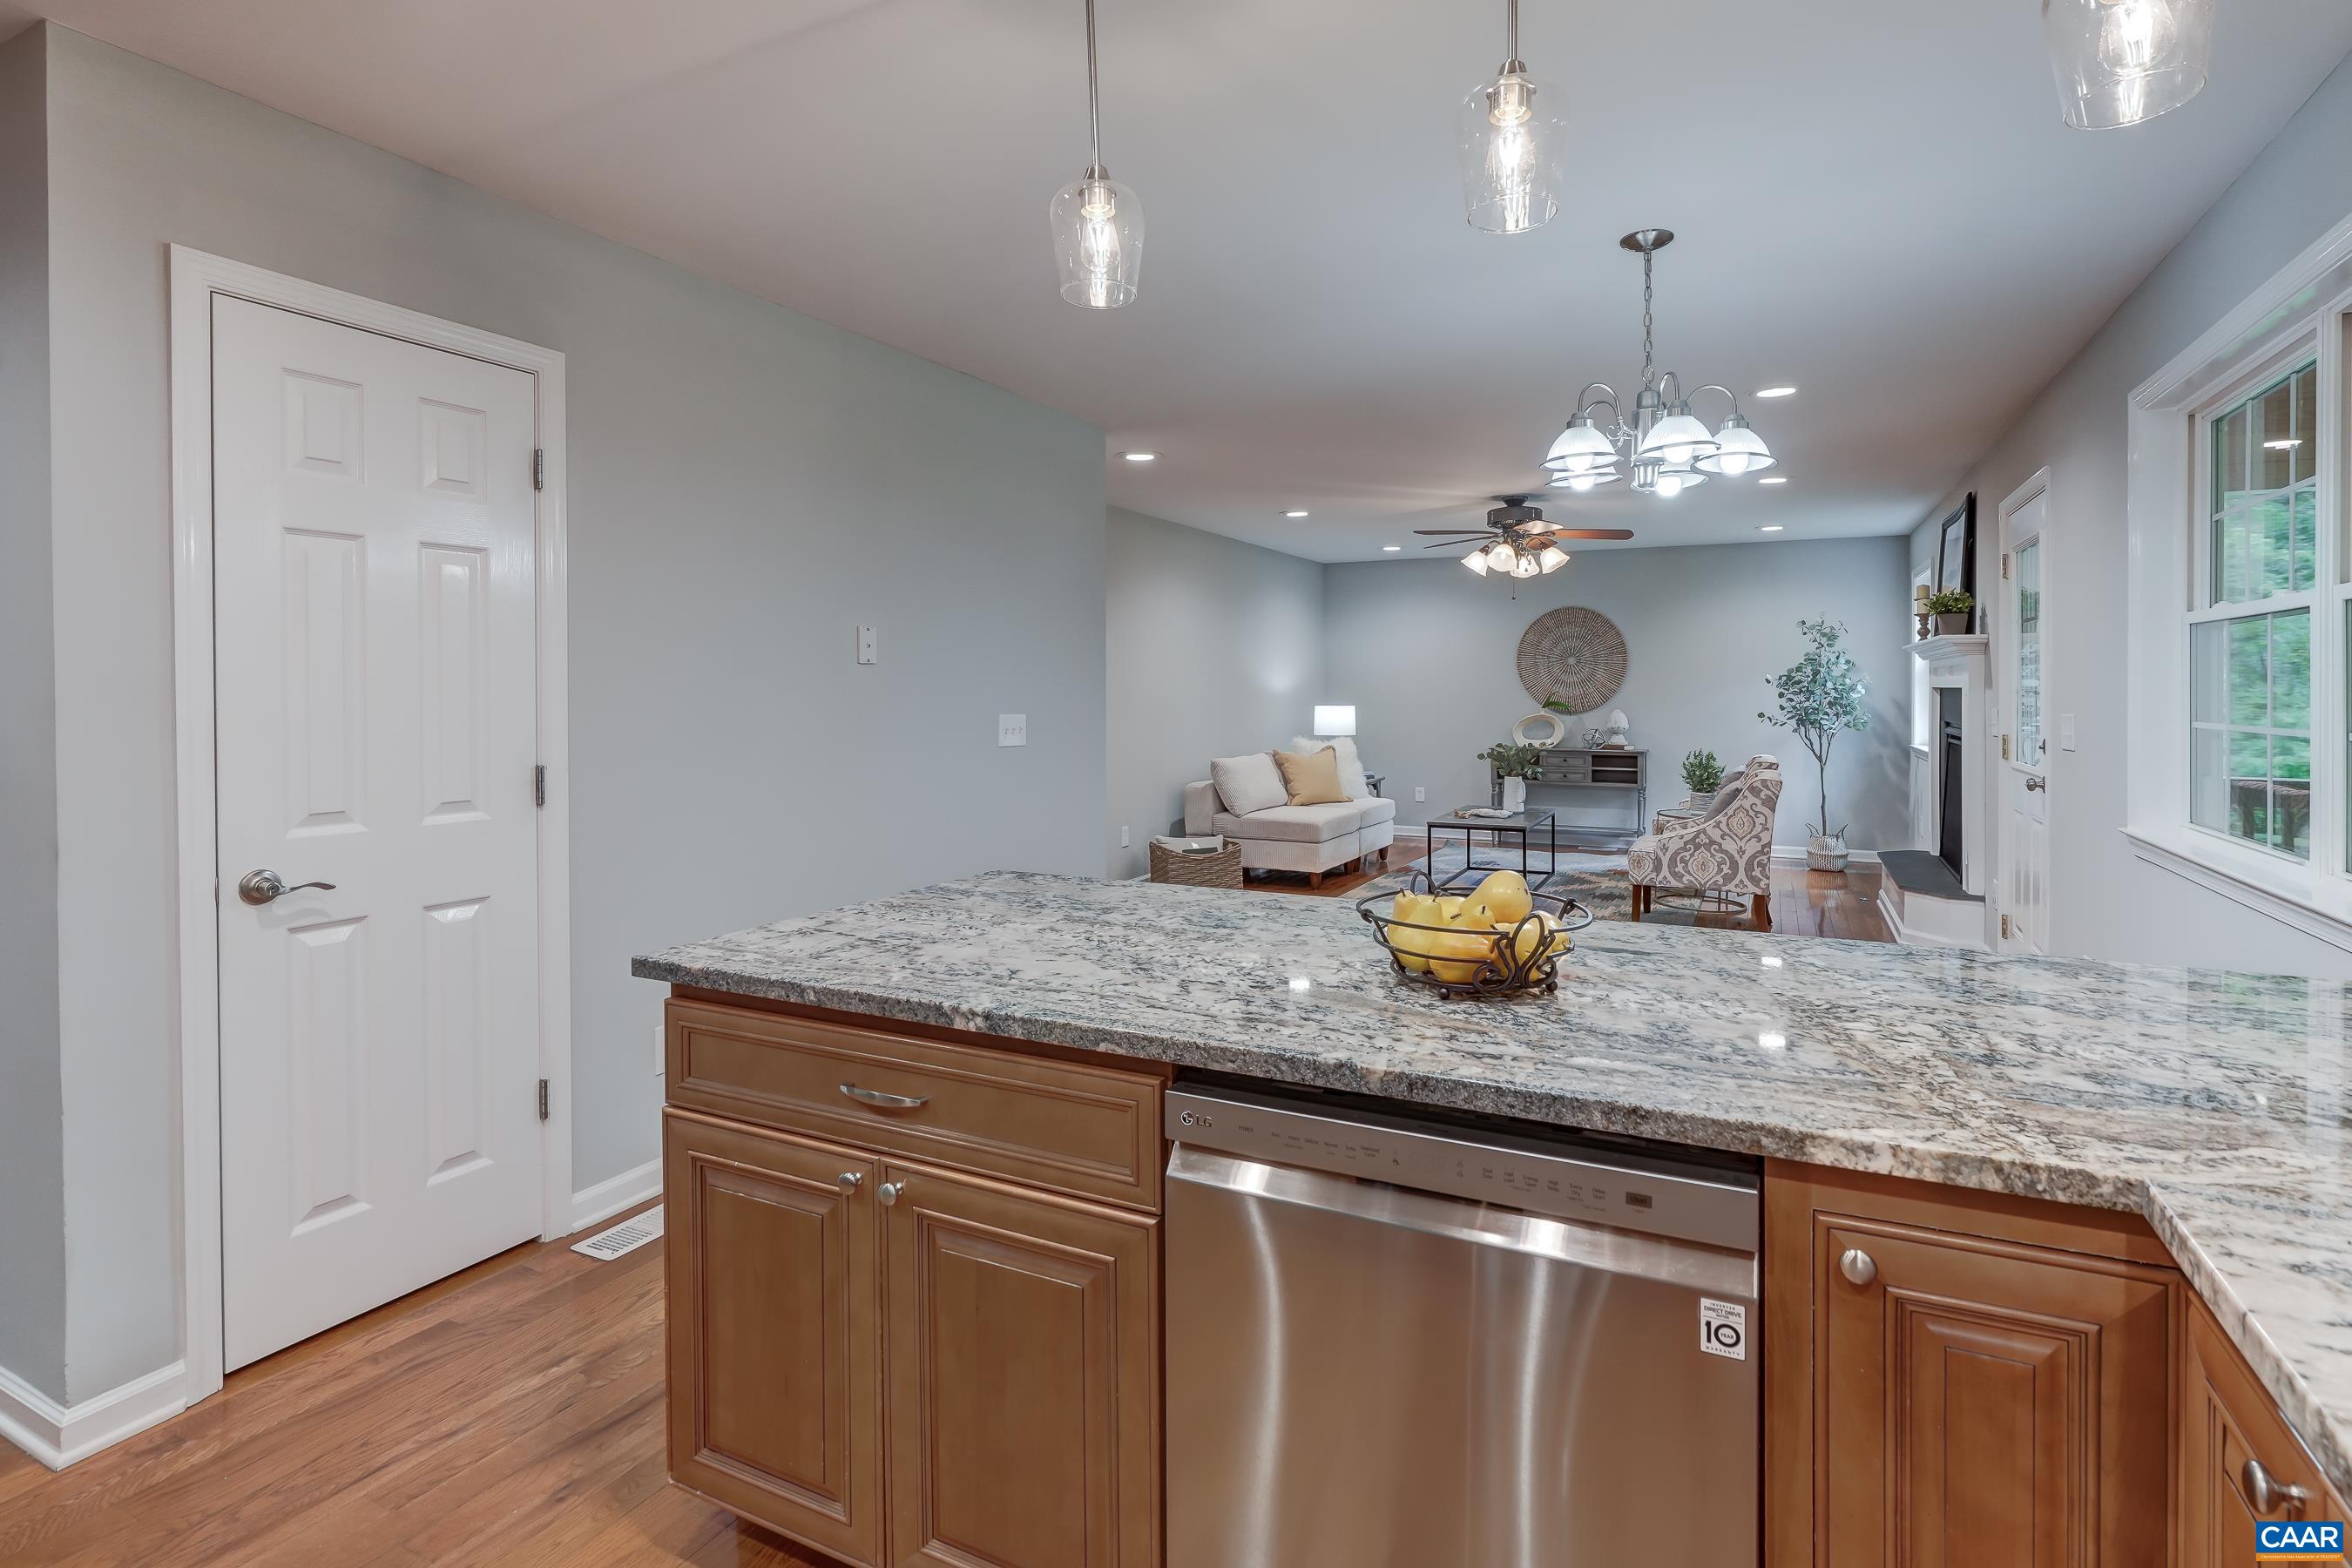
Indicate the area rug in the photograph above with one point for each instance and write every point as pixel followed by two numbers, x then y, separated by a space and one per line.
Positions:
pixel 1594 879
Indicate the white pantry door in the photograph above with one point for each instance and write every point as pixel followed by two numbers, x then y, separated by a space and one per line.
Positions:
pixel 374 532
pixel 2024 896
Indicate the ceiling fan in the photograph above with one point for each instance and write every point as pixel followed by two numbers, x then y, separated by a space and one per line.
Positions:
pixel 1518 540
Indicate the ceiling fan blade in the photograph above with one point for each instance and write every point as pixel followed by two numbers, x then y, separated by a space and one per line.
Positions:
pixel 1592 533
pixel 1444 544
pixel 1465 533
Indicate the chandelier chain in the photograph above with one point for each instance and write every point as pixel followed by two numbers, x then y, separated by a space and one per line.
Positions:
pixel 1649 375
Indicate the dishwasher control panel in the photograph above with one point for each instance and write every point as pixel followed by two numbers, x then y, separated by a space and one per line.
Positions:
pixel 1701 1205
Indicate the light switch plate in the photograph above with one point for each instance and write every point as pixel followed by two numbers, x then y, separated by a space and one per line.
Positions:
pixel 1122 838
pixel 868 646
pixel 1419 793
pixel 1013 729
pixel 2066 731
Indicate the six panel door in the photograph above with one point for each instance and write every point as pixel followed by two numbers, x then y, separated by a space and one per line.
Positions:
pixel 1024 1343
pixel 775 1403
pixel 1983 1403
pixel 374 536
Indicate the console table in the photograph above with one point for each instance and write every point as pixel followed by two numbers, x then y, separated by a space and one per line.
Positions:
pixel 1625 769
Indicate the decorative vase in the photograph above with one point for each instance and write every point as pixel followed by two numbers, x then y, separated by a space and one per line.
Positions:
pixel 1698 802
pixel 1515 796
pixel 1826 852
pixel 1953 625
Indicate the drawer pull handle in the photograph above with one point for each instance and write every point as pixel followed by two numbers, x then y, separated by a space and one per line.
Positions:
pixel 848 1180
pixel 878 1097
pixel 888 1192
pixel 1858 1265
pixel 2268 1494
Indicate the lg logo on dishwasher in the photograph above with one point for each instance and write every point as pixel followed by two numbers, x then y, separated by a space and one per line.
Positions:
pixel 1723 1329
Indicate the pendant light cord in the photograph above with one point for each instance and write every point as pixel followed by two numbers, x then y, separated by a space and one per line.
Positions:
pixel 1511 53
pixel 1094 93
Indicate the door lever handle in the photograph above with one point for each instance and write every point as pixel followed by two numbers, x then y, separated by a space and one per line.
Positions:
pixel 264 886
pixel 2035 781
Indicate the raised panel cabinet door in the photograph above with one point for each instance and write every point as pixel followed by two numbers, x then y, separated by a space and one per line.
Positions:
pixel 1986 1404
pixel 775 1394
pixel 1023 1368
pixel 2227 1423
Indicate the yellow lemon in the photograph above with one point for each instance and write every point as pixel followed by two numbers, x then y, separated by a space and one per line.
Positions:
pixel 1505 893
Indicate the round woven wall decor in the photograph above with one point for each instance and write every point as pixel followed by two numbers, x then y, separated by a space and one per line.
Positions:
pixel 1575 656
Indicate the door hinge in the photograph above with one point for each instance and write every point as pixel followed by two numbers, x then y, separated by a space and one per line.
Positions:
pixel 2004 748
pixel 539 468
pixel 2004 565
pixel 2004 927
pixel 539 784
pixel 542 1100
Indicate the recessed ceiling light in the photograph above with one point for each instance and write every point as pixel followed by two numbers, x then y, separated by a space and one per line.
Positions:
pixel 1775 479
pixel 1777 392
pixel 1298 512
pixel 1391 547
pixel 1141 456
pixel 1768 528
pixel 2283 445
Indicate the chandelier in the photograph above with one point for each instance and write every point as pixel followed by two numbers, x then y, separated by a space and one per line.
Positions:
pixel 1665 446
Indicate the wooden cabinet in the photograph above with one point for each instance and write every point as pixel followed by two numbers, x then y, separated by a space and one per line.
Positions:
pixel 776 1360
pixel 1023 1342
pixel 833 1281
pixel 2239 1462
pixel 1954 1381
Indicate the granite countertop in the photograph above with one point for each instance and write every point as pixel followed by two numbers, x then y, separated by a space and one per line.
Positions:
pixel 2214 1103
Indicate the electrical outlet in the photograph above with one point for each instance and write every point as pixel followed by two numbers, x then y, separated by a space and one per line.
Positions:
pixel 1123 841
pixel 661 1049
pixel 1013 729
pixel 869 646
pixel 1419 793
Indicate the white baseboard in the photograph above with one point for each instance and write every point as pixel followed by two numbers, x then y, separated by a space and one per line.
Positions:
pixel 1890 904
pixel 607 1198
pixel 60 1435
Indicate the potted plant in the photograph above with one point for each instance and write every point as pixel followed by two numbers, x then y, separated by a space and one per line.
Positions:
pixel 1702 776
pixel 1951 609
pixel 1820 697
pixel 1515 766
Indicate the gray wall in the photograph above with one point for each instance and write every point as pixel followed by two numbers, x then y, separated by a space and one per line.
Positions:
pixel 1427 652
pixel 2104 900
pixel 747 485
pixel 32 1110
pixel 1213 648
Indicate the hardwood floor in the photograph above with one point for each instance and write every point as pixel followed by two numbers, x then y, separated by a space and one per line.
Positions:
pixel 1804 903
pixel 511 1413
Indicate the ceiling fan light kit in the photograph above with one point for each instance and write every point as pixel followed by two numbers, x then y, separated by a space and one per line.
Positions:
pixel 2120 62
pixel 1664 448
pixel 1517 542
pixel 1097 223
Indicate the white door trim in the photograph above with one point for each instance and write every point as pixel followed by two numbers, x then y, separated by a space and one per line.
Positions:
pixel 2005 681
pixel 196 278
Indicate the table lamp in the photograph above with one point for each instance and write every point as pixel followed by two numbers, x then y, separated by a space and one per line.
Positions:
pixel 1334 719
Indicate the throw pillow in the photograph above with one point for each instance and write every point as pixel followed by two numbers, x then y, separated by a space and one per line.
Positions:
pixel 1249 783
pixel 1313 777
pixel 1352 781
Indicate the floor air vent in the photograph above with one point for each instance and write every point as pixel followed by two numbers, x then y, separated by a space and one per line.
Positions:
pixel 626 1237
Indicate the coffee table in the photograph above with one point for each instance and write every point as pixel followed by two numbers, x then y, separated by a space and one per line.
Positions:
pixel 1523 824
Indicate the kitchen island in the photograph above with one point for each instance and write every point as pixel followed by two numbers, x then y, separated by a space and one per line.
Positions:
pixel 2210 1106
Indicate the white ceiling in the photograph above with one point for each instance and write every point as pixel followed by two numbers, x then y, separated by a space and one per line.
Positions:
pixel 1876 202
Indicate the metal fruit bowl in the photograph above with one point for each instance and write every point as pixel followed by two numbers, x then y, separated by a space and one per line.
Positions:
pixel 1511 965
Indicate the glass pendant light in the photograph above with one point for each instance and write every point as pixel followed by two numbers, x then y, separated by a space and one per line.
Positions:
pixel 1097 223
pixel 1511 143
pixel 2120 62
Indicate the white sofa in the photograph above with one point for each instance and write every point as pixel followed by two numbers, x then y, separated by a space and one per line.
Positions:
pixel 1310 839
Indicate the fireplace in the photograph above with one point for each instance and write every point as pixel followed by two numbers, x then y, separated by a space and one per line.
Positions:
pixel 1949 775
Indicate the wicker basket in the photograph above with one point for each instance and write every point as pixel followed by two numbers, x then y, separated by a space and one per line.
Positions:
pixel 1221 870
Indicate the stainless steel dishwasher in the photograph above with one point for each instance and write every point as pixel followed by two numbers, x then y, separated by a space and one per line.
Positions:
pixel 1426 1343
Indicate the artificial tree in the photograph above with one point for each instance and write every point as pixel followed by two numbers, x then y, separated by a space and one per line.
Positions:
pixel 1820 697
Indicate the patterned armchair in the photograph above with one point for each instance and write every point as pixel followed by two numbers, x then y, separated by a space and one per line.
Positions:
pixel 1728 850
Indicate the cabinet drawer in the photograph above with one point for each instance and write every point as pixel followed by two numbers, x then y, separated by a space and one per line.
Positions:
pixel 1086 1131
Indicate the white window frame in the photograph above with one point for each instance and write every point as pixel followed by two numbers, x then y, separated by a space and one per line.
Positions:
pixel 2304 311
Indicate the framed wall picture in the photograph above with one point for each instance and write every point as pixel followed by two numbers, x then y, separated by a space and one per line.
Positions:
pixel 1955 553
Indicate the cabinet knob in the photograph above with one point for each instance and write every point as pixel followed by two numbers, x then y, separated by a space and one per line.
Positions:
pixel 888 1192
pixel 2268 1494
pixel 850 1180
pixel 1858 1265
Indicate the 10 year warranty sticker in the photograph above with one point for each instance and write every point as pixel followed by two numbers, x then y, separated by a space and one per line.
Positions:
pixel 1723 1329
